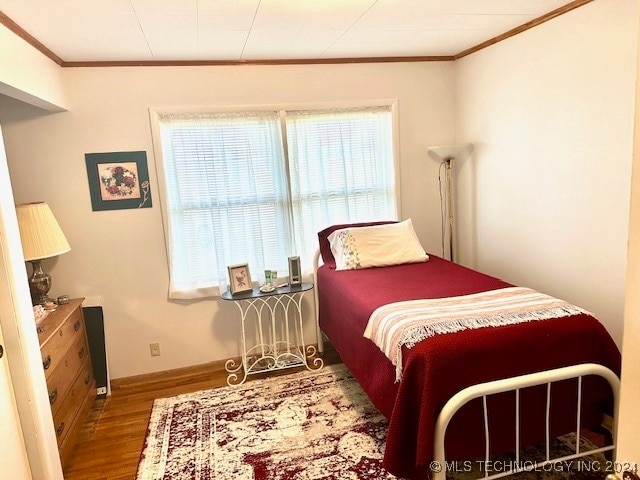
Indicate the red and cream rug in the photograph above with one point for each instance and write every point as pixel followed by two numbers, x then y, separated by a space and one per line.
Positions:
pixel 301 426
pixel 308 425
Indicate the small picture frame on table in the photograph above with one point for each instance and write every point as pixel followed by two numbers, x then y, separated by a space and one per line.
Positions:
pixel 239 278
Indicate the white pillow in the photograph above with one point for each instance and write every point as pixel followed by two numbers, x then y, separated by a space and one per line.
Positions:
pixel 376 246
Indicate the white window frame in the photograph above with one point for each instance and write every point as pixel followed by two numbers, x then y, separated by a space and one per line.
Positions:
pixel 156 112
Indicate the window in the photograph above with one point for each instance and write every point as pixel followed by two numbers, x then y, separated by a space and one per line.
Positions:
pixel 255 187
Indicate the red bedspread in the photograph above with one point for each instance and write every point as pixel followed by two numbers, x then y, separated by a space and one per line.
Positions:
pixel 437 368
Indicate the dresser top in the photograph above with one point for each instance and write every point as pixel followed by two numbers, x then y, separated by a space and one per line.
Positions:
pixel 56 318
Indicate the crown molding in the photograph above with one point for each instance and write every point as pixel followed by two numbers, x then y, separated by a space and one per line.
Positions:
pixel 524 27
pixel 34 42
pixel 30 39
pixel 294 61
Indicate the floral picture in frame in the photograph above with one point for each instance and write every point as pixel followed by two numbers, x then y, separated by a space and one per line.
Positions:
pixel 118 180
pixel 239 278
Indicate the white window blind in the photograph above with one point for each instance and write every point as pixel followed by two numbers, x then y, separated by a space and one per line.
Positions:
pixel 234 195
pixel 341 170
pixel 226 197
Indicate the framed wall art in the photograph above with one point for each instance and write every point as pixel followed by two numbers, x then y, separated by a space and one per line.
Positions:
pixel 118 180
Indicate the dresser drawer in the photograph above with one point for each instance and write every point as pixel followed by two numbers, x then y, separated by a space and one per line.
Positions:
pixel 64 418
pixel 55 350
pixel 67 446
pixel 64 374
pixel 54 319
pixel 67 363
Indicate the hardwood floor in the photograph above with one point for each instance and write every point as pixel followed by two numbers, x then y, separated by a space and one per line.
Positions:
pixel 111 441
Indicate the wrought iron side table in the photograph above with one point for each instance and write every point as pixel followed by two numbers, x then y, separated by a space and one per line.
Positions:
pixel 281 345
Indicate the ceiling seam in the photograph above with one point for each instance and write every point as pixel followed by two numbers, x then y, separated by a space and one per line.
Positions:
pixel 253 21
pixel 146 40
pixel 349 28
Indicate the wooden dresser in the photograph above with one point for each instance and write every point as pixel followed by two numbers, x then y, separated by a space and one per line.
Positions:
pixel 67 365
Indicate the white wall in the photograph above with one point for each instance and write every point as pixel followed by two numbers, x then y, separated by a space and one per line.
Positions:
pixel 629 424
pixel 27 75
pixel 120 255
pixel 22 352
pixel 13 455
pixel 545 200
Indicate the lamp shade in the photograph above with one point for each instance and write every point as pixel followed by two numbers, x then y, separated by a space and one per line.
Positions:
pixel 450 152
pixel 40 233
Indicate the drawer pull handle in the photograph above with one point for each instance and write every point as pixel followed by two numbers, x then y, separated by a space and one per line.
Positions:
pixel 60 429
pixel 53 396
pixel 87 379
pixel 40 329
pixel 76 326
pixel 46 363
pixel 81 352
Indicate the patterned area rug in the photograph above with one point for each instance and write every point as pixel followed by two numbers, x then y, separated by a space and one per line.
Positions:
pixel 306 425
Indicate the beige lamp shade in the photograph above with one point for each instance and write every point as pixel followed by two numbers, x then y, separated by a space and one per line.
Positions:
pixel 39 231
pixel 450 152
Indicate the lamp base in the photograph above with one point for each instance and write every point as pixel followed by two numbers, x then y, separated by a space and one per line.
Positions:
pixel 39 284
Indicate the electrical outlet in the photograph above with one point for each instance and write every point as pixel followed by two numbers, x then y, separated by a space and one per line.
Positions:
pixel 155 349
pixel 102 390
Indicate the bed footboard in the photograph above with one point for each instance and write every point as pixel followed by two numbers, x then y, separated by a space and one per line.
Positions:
pixel 515 384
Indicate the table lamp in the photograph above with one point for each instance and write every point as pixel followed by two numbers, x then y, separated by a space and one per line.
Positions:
pixel 41 238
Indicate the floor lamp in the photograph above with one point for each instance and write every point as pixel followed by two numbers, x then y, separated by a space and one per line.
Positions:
pixel 445 155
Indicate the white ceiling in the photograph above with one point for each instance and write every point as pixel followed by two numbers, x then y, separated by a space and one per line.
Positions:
pixel 245 30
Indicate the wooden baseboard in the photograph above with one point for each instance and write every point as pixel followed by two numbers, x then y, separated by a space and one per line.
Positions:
pixel 178 375
pixel 188 374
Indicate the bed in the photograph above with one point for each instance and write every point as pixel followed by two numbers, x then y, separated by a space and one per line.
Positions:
pixel 438 367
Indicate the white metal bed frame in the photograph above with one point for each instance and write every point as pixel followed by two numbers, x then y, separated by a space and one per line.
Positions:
pixel 515 384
